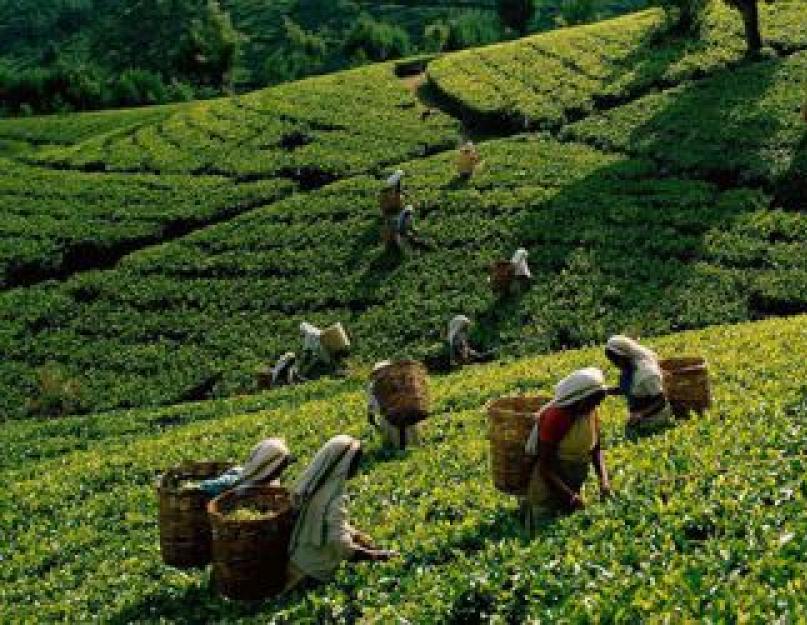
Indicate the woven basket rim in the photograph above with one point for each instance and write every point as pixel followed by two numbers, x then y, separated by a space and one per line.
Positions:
pixel 686 361
pixel 490 402
pixel 180 469
pixel 220 518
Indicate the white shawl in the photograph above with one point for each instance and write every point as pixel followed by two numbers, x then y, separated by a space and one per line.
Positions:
pixel 319 489
pixel 519 262
pixel 647 376
pixel 264 461
pixel 458 324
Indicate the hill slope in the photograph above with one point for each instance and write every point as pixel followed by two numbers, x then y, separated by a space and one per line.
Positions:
pixel 648 241
pixel 708 519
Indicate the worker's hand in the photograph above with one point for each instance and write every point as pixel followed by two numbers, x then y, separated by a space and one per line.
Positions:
pixel 382 555
pixel 605 490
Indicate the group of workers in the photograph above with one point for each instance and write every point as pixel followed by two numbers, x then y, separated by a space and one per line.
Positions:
pixel 563 443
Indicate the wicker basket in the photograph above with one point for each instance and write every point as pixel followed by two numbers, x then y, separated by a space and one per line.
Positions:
pixel 184 525
pixel 387 233
pixel 467 162
pixel 250 557
pixel 502 274
pixel 391 202
pixel 335 339
pixel 686 384
pixel 263 378
pixel 510 421
pixel 402 389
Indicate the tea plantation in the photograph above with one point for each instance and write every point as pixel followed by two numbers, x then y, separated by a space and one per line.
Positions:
pixel 708 521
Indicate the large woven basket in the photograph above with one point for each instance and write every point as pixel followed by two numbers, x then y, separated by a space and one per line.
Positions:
pixel 510 421
pixel 250 557
pixel 467 162
pixel 184 525
pixel 686 384
pixel 263 378
pixel 335 339
pixel 402 389
pixel 502 274
pixel 391 202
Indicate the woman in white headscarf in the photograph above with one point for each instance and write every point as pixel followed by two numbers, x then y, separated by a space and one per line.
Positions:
pixel 392 435
pixel 460 351
pixel 285 371
pixel 521 269
pixel 641 383
pixel 266 462
pixel 322 537
pixel 316 360
pixel 565 441
pixel 392 195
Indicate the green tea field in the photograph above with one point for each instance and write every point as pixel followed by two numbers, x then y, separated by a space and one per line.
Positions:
pixel 708 520
pixel 152 259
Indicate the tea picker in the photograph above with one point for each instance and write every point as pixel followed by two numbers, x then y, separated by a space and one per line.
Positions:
pixel 392 195
pixel 402 234
pixel 642 384
pixel 379 408
pixel 511 277
pixel 322 537
pixel 323 351
pixel 468 160
pixel 459 345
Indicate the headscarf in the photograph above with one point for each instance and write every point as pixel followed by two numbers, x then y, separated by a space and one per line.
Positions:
pixel 283 362
pixel 468 146
pixel 395 179
pixel 644 361
pixel 519 262
pixel 321 486
pixel 264 461
pixel 455 326
pixel 573 388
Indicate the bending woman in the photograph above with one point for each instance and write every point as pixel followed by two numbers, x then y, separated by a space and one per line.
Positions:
pixel 392 435
pixel 566 439
pixel 641 383
pixel 266 462
pixel 322 537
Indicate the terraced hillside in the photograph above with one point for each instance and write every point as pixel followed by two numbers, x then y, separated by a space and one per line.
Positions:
pixel 256 212
pixel 708 521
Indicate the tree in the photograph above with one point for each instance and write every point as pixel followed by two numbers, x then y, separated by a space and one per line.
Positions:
pixel 749 10
pixel 516 14
pixel 302 53
pixel 210 46
pixel 375 40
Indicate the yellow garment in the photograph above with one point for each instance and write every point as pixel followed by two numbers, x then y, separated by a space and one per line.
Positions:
pixel 574 458
pixel 391 434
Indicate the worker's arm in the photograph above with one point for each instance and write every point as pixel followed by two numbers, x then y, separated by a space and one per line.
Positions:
pixel 547 465
pixel 598 460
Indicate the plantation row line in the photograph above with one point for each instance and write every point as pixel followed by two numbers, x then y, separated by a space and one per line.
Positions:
pixel 464 549
pixel 205 310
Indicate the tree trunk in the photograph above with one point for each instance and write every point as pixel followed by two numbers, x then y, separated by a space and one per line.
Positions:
pixel 748 9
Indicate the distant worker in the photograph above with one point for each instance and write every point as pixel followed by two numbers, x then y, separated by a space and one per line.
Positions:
pixel 316 359
pixel 404 235
pixel 564 442
pixel 285 372
pixel 468 160
pixel 392 195
pixel 459 344
pixel 641 383
pixel 322 537
pixel 266 462
pixel 522 276
pixel 392 435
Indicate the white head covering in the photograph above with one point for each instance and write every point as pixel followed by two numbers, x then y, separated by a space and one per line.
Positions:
pixel 284 361
pixel 456 325
pixel 644 360
pixel 310 334
pixel 264 461
pixel 380 365
pixel 395 179
pixel 570 390
pixel 468 146
pixel 519 262
pixel 627 347
pixel 321 486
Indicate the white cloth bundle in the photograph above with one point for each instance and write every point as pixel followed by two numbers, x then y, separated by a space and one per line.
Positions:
pixel 458 324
